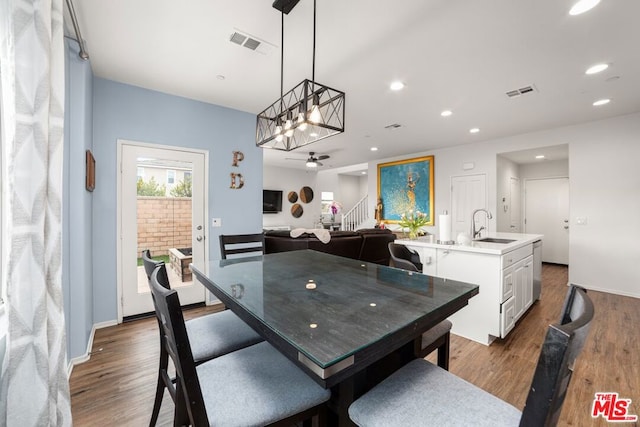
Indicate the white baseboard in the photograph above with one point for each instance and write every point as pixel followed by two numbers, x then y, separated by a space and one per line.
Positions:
pixel 87 355
pixel 608 291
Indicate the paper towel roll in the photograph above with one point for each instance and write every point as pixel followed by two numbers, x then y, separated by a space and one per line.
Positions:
pixel 445 228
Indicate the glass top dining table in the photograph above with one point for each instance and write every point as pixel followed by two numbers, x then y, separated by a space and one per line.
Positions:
pixel 331 315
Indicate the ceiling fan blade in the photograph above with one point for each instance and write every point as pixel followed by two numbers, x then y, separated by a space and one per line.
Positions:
pixel 323 157
pixel 293 158
pixel 319 164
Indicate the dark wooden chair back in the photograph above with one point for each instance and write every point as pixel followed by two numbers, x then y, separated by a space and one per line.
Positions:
pixel 238 244
pixel 150 265
pixel 401 258
pixel 561 347
pixel 186 393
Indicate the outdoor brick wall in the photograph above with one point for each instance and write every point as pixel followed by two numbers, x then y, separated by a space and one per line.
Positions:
pixel 163 223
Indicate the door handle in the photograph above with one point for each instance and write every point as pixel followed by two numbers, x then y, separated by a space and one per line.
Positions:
pixel 566 227
pixel 200 227
pixel 199 238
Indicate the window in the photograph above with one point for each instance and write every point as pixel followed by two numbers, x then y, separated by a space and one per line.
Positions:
pixel 326 198
pixel 171 176
pixel 141 173
pixel 187 176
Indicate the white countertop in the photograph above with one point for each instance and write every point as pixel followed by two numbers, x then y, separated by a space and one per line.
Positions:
pixel 520 239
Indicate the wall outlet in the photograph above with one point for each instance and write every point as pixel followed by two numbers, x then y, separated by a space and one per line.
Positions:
pixel 216 222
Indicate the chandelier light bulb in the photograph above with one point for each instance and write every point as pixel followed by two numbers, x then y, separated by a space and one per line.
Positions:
pixel 315 116
pixel 279 135
pixel 288 128
pixel 302 123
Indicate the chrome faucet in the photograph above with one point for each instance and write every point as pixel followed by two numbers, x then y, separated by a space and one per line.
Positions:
pixel 475 233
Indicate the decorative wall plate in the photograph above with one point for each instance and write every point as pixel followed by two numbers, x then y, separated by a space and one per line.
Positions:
pixel 306 194
pixel 296 210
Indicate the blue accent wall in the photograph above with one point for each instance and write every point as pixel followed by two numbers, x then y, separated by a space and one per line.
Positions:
pixel 77 241
pixel 132 113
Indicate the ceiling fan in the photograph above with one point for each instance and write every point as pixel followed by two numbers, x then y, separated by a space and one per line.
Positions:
pixel 313 161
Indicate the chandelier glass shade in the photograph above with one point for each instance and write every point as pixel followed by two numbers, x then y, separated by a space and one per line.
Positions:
pixel 318 111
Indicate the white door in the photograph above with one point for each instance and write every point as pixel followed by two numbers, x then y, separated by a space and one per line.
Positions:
pixel 165 219
pixel 547 212
pixel 468 192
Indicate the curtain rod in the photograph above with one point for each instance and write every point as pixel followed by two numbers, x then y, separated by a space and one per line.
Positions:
pixel 83 53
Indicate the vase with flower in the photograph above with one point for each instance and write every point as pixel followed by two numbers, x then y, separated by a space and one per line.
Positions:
pixel 413 222
pixel 334 209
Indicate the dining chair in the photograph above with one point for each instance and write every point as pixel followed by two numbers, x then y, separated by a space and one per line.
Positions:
pixel 212 335
pixel 253 386
pixel 241 244
pixel 421 392
pixel 402 257
pixel 438 337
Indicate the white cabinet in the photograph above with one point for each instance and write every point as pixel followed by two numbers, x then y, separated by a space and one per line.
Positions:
pixel 518 278
pixel 504 278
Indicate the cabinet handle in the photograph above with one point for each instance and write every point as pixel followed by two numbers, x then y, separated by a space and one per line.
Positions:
pixel 445 252
pixel 428 261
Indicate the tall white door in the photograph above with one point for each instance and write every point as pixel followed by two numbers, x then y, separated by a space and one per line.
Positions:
pixel 158 213
pixel 468 192
pixel 547 212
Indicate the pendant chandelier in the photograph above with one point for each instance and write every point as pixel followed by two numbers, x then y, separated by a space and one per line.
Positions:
pixel 307 113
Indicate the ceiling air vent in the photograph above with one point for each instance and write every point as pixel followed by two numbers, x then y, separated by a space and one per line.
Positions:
pixel 522 91
pixel 244 39
pixel 392 126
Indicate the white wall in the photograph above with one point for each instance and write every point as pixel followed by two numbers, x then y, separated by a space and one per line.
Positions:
pixel 285 179
pixel 550 169
pixel 604 185
pixel 604 189
pixel 505 170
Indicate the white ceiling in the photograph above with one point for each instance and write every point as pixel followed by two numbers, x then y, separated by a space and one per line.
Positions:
pixel 460 55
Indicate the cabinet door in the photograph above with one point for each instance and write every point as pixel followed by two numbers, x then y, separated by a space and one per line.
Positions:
pixel 507 284
pixel 528 282
pixel 507 317
pixel 518 288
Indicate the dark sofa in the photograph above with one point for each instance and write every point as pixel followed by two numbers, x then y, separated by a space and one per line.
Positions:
pixel 370 244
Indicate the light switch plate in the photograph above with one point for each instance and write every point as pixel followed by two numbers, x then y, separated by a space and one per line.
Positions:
pixel 216 222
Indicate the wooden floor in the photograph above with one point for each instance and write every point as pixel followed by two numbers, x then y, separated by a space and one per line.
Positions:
pixel 116 386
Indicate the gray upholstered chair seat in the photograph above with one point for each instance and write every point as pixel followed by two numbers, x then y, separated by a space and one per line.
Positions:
pixel 256 386
pixel 445 400
pixel 436 332
pixel 219 333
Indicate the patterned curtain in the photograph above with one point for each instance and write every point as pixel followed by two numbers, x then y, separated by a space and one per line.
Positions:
pixel 35 388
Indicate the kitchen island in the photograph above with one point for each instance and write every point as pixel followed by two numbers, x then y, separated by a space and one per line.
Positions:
pixel 501 264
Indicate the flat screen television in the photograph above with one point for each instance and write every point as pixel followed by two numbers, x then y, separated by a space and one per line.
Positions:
pixel 271 201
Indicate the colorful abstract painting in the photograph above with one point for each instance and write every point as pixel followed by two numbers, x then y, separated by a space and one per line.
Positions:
pixel 406 186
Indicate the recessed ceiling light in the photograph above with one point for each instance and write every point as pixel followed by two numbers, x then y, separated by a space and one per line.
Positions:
pixel 363 172
pixel 446 113
pixel 397 85
pixel 374 148
pixel 594 69
pixel 474 130
pixel 583 6
pixel 540 156
pixel 601 102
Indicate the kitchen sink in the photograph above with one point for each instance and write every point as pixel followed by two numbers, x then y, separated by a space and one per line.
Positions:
pixel 494 240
